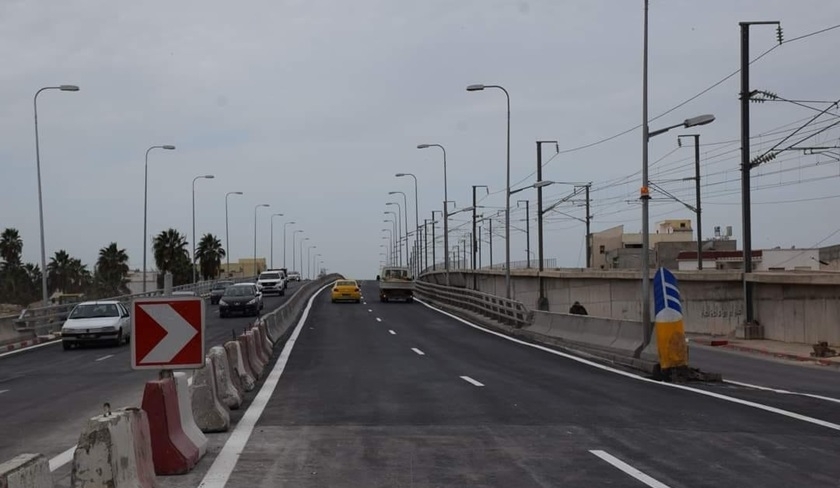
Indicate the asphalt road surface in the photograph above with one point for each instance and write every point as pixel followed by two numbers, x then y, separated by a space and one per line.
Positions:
pixel 401 395
pixel 47 394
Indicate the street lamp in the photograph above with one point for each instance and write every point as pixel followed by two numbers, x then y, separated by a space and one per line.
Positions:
pixel 396 234
pixel 272 237
pixel 645 197
pixel 195 240
pixel 542 302
pixel 314 266
pixel 400 229
pixel 300 245
pixel 309 260
pixel 390 244
pixel 445 212
pixel 256 271
pixel 284 241
pixel 168 147
pixel 507 185
pixel 44 293
pixel 227 230
pixel 416 209
pixel 405 214
pixel 294 254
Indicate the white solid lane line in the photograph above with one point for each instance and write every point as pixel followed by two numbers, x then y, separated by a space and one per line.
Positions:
pixel 219 473
pixel 635 473
pixel 418 351
pixel 783 392
pixel 62 459
pixel 392 332
pixel 105 357
pixel 370 310
pixel 602 367
pixel 378 319
pixel 29 348
pixel 472 381
pixel 3 391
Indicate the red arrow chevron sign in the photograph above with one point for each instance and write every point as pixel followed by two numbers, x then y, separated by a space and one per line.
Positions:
pixel 167 333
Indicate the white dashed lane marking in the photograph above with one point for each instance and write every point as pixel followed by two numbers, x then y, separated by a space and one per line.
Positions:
pixel 471 381
pixel 418 351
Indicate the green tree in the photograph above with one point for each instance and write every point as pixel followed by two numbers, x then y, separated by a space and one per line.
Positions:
pixel 170 249
pixel 11 247
pixel 67 274
pixel 209 254
pixel 111 272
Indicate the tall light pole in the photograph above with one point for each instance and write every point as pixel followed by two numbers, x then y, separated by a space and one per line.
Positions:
pixel 227 229
pixel 645 192
pixel 300 245
pixel 272 237
pixel 389 247
pixel 256 271
pixel 397 245
pixel 168 147
pixel 445 212
pixel 542 301
pixel 416 209
pixel 314 266
pixel 527 229
pixel 400 227
pixel 195 239
pixel 284 241
pixel 294 262
pixel 309 260
pixel 405 215
pixel 507 185
pixel 44 293
pixel 391 244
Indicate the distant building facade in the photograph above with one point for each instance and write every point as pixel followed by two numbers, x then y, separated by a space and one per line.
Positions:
pixel 763 260
pixel 243 268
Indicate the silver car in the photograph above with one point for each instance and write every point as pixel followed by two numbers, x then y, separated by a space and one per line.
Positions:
pixel 95 322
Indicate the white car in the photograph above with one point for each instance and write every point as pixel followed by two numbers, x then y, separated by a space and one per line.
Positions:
pixel 92 322
pixel 294 276
pixel 272 282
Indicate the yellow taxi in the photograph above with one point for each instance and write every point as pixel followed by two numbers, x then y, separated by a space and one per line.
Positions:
pixel 346 290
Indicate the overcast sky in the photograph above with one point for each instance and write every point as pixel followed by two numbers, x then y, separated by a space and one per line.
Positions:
pixel 313 106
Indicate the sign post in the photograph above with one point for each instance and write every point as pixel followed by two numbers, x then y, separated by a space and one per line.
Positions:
pixel 167 333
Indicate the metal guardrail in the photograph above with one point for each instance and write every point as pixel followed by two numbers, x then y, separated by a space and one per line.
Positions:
pixel 497 308
pixel 548 263
pixel 42 317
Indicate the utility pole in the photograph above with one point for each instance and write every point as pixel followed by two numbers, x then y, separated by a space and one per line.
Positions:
pixel 749 317
pixel 479 247
pixel 588 232
pixel 490 225
pixel 697 211
pixel 527 229
pixel 434 241
pixel 542 301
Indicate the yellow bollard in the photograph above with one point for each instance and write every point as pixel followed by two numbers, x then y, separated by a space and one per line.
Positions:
pixel 670 329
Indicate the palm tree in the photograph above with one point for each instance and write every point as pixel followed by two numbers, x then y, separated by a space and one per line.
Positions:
pixel 209 254
pixel 170 248
pixel 111 274
pixel 11 246
pixel 58 272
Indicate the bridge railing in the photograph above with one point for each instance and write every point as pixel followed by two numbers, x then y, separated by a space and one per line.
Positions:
pixel 53 316
pixel 504 310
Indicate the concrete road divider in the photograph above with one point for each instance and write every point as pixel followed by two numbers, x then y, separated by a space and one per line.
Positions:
pixel 246 356
pixel 239 371
pixel 172 450
pixel 26 471
pixel 224 384
pixel 268 345
pixel 257 365
pixel 185 409
pixel 115 450
pixel 258 345
pixel 209 414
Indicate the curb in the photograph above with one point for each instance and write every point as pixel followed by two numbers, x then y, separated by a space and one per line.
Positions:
pixel 781 355
pixel 29 343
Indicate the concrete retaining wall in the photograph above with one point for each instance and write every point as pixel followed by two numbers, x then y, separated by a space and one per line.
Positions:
pixel 792 307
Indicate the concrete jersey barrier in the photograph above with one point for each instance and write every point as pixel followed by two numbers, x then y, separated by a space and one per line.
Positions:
pixel 26 471
pixel 210 415
pixel 115 451
pixel 224 383
pixel 173 451
pixel 185 409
